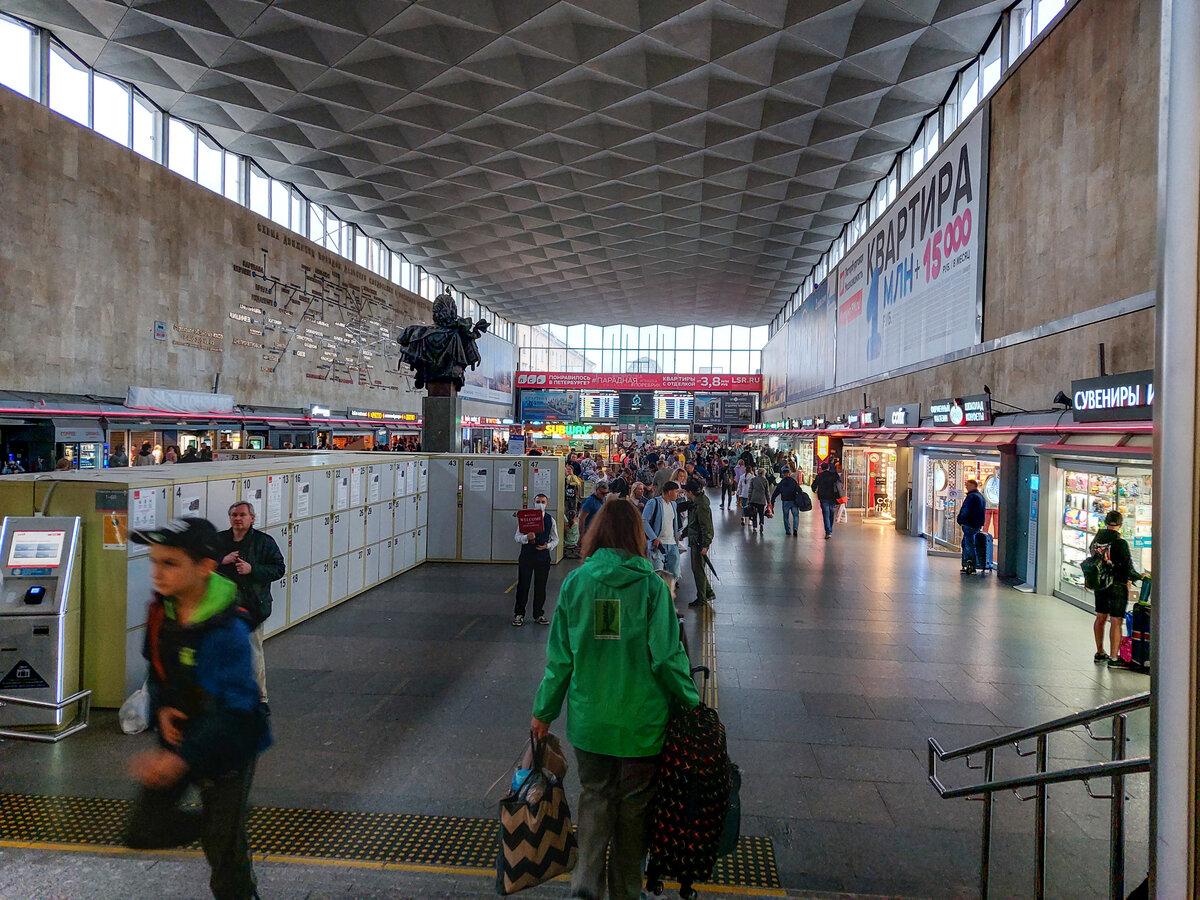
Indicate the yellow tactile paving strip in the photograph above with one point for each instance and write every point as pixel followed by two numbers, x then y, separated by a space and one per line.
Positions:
pixel 427 843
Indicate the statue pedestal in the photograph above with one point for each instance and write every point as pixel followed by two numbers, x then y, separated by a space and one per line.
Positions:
pixel 441 432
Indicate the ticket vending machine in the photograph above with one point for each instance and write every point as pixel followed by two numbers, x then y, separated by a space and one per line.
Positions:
pixel 39 616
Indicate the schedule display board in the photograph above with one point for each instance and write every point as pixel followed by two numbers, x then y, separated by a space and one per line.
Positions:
pixel 673 407
pixel 599 405
pixel 911 290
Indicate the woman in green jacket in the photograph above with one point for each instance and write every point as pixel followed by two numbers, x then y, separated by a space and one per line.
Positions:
pixel 615 655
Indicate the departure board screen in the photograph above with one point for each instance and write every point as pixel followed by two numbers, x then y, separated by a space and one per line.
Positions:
pixel 673 407
pixel 596 405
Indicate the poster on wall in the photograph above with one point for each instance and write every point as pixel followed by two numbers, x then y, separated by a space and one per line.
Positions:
pixel 738 409
pixel 549 406
pixel 911 290
pixel 492 381
pixel 810 343
pixel 774 369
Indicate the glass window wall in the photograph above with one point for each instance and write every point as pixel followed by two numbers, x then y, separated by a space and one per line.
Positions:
pixel 16 56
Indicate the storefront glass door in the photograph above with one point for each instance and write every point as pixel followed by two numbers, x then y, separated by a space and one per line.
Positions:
pixel 945 488
pixel 870 477
pixel 1088 497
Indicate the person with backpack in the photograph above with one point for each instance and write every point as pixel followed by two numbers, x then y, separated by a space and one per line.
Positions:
pixel 1107 572
pixel 827 485
pixel 971 516
pixel 794 500
pixel 615 657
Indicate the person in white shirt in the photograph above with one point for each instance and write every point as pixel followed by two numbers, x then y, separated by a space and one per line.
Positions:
pixel 662 524
pixel 534 565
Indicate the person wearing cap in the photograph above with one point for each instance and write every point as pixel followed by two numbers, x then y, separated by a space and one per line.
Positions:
pixel 592 505
pixel 700 533
pixel 211 724
pixel 252 561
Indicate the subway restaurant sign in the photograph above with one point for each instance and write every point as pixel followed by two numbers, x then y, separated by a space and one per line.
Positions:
pixel 552 430
pixel 1114 397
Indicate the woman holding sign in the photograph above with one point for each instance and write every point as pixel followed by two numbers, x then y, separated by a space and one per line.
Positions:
pixel 538 540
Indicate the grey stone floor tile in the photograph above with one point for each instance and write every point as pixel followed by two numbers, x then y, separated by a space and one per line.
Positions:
pixel 870 764
pixel 959 712
pixel 838 801
pixel 841 706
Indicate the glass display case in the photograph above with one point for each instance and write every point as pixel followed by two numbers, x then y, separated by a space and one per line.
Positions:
pixel 1087 498
pixel 945 488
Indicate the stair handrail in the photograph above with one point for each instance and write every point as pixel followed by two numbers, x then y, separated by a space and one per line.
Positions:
pixel 1116 769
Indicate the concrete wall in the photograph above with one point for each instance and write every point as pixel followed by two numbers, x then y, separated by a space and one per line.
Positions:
pixel 98 244
pixel 1071 202
pixel 1071 216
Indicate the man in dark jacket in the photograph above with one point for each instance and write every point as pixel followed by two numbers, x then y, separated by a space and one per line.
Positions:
pixel 788 490
pixel 1113 601
pixel 971 517
pixel 251 560
pixel 828 488
pixel 211 724
pixel 533 565
pixel 700 533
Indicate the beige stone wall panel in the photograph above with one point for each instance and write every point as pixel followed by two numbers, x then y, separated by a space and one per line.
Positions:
pixel 98 243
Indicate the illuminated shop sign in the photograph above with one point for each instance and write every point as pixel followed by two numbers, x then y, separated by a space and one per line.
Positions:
pixel 821 446
pixel 379 415
pixel 955 411
pixel 1129 396
pixel 808 422
pixel 869 418
pixel 569 430
pixel 906 415
pixel 319 412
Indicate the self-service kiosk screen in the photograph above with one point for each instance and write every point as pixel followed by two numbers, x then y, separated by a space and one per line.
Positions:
pixel 37 548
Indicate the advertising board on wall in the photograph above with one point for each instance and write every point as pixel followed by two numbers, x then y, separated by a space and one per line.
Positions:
pixel 549 406
pixel 638 381
pixel 810 342
pixel 1114 397
pixel 775 369
pixel 911 290
pixel 492 380
pixel 724 409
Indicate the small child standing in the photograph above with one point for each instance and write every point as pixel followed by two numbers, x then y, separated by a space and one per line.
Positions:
pixel 571 535
pixel 204 698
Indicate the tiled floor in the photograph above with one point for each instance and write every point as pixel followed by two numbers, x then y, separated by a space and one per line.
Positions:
pixel 836 662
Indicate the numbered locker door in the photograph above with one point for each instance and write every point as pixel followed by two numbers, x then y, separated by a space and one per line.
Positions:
pixel 387 558
pixel 341 532
pixel 281 535
pixel 354 577
pixel 299 597
pixel 399 558
pixel 318 585
pixel 422 552
pixel 358 480
pixel 371 564
pixel 508 495
pixel 406 515
pixel 544 478
pixel 222 493
pixel 478 476
pixel 322 489
pixel 380 483
pixel 339 572
pixel 301 538
pixel 376 515
pixel 278 619
pixel 191 499
pixel 322 538
pixel 401 487
pixel 278 501
pixel 443 477
pixel 358 526
pixel 254 492
pixel 341 489
pixel 304 504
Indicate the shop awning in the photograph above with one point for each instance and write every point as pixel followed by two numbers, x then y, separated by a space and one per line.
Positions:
pixel 1109 445
pixel 78 431
pixel 964 441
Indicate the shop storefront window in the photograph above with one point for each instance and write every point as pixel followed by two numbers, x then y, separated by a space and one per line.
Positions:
pixel 1088 497
pixel 870 476
pixel 945 488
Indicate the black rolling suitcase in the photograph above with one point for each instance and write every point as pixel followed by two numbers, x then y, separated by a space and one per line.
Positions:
pixel 985 551
pixel 1139 633
pixel 688 817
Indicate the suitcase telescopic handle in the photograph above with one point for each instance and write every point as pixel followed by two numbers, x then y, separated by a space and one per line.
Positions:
pixel 707 673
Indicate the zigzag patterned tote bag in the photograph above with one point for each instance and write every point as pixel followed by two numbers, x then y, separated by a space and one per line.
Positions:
pixel 537 842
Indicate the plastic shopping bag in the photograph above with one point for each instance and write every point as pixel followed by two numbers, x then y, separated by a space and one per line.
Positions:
pixel 135 711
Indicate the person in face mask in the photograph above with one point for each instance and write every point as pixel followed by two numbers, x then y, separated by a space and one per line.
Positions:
pixel 534 565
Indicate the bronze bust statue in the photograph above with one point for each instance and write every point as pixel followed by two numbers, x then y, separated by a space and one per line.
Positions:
pixel 441 352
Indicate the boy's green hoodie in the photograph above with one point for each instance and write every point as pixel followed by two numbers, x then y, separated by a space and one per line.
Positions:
pixel 614 653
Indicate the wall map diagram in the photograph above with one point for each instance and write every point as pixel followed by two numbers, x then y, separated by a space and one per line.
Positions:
pixel 337 326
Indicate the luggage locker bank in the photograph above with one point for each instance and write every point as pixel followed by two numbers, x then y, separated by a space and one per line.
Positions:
pixel 344 522
pixel 1048 478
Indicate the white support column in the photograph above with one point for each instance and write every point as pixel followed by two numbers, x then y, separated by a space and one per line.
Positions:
pixel 1175 715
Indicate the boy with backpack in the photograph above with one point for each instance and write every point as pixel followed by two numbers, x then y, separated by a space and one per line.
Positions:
pixel 203 695
pixel 1107 572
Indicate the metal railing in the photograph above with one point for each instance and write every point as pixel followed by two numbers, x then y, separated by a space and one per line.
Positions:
pixel 1116 770
pixel 83 698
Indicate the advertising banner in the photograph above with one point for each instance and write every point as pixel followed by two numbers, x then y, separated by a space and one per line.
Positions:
pixel 549 406
pixel 1114 397
pixel 637 381
pixel 639 404
pixel 492 381
pixel 775 370
pixel 724 409
pixel 911 289
pixel 810 343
